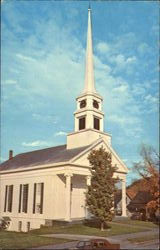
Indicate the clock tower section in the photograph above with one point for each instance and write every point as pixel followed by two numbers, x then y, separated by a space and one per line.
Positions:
pixel 89 117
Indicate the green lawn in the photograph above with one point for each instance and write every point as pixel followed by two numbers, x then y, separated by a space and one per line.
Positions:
pixel 86 230
pixel 17 240
pixel 14 240
pixel 144 239
pixel 136 222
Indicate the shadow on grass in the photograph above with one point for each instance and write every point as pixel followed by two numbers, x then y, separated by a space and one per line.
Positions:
pixel 95 223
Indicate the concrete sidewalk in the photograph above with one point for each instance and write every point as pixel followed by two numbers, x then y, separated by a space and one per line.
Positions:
pixel 110 238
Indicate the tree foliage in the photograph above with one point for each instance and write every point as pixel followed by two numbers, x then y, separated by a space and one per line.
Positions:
pixel 100 195
pixel 148 170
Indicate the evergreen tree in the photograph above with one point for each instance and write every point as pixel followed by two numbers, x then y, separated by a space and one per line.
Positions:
pixel 100 195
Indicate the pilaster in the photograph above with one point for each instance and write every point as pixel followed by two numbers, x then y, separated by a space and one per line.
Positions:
pixel 68 196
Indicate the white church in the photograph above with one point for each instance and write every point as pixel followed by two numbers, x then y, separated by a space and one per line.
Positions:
pixel 50 184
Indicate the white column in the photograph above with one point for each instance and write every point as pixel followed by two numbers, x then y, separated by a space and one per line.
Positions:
pixel 68 196
pixel 88 179
pixel 124 197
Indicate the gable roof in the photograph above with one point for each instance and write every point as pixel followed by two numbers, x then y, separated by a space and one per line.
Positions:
pixel 140 201
pixel 40 157
pixel 111 150
pixel 142 197
pixel 138 185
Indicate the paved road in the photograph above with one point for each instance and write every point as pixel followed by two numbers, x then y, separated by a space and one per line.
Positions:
pixel 122 239
pixel 125 245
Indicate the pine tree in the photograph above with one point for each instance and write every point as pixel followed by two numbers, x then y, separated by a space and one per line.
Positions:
pixel 100 195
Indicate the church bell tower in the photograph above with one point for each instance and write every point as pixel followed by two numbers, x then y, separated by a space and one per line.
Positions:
pixel 89 117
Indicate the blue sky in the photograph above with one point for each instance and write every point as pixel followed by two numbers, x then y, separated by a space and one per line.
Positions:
pixel 43 60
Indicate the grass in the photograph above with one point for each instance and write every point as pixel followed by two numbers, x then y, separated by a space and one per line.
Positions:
pixel 86 230
pixel 17 240
pixel 137 223
pixel 144 239
pixel 14 240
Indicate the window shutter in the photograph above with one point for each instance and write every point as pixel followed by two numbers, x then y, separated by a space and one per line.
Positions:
pixel 20 198
pixel 34 198
pixel 42 193
pixel 25 198
pixel 10 198
pixel 5 202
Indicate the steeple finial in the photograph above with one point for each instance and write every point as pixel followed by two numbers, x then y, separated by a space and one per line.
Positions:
pixel 89 74
pixel 89 7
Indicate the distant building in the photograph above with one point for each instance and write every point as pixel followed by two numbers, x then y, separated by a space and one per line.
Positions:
pixel 50 184
pixel 139 202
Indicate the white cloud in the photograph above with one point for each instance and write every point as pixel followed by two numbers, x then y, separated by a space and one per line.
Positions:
pixel 37 143
pixel 102 47
pixel 25 58
pixel 151 103
pixel 151 99
pixel 99 66
pixel 60 133
pixel 10 82
pixel 121 61
pixel 143 48
pixel 139 89
pixel 132 59
pixel 121 89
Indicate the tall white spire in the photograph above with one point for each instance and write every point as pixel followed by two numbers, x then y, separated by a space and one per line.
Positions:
pixel 89 73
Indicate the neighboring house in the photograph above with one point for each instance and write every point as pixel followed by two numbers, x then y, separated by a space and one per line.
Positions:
pixel 136 186
pixel 50 184
pixel 118 202
pixel 139 202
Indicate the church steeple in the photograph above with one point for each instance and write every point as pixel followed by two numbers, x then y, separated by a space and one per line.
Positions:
pixel 89 72
pixel 89 116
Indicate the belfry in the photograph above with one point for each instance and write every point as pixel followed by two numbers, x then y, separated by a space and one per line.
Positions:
pixel 39 187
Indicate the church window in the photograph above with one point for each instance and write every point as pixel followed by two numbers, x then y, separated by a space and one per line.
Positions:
pixel 96 123
pixel 82 122
pixel 8 198
pixel 20 197
pixel 95 104
pixel 38 198
pixel 83 104
pixel 23 198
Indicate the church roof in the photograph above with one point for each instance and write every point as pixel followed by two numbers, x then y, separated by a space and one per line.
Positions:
pixel 42 156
